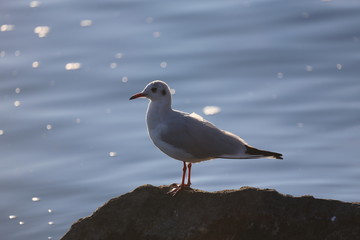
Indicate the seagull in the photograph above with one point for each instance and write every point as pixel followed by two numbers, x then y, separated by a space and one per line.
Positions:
pixel 189 137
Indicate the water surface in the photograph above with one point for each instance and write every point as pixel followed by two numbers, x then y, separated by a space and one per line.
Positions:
pixel 284 74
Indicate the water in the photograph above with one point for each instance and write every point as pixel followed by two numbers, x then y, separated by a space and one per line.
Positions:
pixel 284 75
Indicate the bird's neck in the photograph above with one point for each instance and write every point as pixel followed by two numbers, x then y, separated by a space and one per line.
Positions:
pixel 156 112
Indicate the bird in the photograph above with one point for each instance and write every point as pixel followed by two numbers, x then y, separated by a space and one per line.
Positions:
pixel 188 137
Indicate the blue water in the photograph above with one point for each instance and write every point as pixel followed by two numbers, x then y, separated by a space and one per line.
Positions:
pixel 285 75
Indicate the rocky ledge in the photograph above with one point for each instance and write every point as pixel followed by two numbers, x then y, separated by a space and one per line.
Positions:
pixel 248 213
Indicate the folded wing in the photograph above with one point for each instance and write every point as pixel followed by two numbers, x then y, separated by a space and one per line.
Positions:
pixel 201 138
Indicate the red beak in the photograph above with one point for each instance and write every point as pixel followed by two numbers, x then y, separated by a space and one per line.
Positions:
pixel 138 95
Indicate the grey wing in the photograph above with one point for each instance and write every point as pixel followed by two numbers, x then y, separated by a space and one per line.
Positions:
pixel 201 138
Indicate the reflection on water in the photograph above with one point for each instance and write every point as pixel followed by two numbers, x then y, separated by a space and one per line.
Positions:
pixel 283 76
pixel 42 31
pixel 72 66
pixel 35 199
pixel 211 110
pixel 6 27
pixel 112 154
pixel 34 4
pixel 86 23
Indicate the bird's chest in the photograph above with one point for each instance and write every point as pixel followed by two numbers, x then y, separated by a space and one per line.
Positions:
pixel 155 130
pixel 156 117
pixel 155 123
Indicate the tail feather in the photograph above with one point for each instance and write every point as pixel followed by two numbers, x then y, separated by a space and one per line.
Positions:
pixel 257 152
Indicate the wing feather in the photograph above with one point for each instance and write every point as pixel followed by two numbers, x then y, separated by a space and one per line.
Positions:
pixel 200 138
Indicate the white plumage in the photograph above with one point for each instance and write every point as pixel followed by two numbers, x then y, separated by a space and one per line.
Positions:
pixel 189 137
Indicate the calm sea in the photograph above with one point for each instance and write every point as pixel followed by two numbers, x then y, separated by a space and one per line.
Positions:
pixel 283 75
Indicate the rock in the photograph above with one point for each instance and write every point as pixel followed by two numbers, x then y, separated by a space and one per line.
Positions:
pixel 248 213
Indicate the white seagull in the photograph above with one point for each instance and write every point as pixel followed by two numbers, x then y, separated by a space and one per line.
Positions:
pixel 188 137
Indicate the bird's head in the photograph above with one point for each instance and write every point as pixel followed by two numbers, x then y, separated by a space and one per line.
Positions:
pixel 155 91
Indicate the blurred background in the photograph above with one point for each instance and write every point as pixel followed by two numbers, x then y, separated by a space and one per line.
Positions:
pixel 283 75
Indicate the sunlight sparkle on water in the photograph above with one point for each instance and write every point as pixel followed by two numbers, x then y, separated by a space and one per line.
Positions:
pixel 113 65
pixel 35 64
pixel 34 4
pixel 35 199
pixel 42 31
pixel 86 23
pixel 17 103
pixel 124 79
pixel 12 216
pixel 112 154
pixel 72 66
pixel 211 110
pixel 6 27
pixel 1 132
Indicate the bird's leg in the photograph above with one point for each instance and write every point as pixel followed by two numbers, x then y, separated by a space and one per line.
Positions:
pixel 175 188
pixel 189 175
pixel 184 174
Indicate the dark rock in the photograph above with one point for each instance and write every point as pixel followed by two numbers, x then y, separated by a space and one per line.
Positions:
pixel 249 213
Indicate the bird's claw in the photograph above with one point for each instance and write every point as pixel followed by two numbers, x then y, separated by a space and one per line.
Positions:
pixel 175 188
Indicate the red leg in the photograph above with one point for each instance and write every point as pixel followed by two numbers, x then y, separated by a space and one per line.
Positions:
pixel 183 176
pixel 175 189
pixel 189 175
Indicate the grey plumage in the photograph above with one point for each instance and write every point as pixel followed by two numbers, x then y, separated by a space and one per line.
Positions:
pixel 205 141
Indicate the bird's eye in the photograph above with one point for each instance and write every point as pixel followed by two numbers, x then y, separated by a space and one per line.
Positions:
pixel 163 92
pixel 154 89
